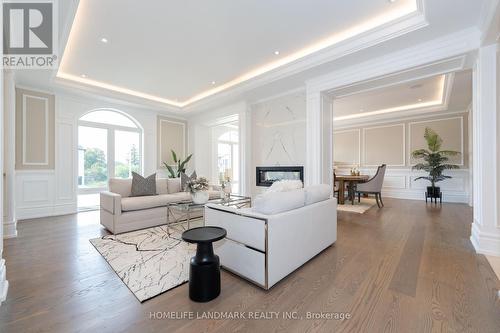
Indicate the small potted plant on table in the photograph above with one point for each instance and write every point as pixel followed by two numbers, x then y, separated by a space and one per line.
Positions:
pixel 199 190
pixel 434 162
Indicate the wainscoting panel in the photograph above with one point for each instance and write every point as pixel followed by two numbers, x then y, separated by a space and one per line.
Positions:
pixel 400 183
pixel 36 190
pixel 451 130
pixel 37 197
pixel 395 182
pixel 456 184
pixel 347 147
pixel 384 144
pixel 35 123
pixel 36 194
pixel 171 136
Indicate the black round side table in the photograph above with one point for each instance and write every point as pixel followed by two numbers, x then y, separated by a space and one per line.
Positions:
pixel 204 272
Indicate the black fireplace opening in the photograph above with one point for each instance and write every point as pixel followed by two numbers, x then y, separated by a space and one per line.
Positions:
pixel 266 176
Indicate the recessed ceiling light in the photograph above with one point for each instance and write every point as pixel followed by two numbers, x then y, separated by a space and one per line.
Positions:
pixel 420 100
pixel 104 40
pixel 84 75
pixel 213 82
pixel 276 52
pixel 392 1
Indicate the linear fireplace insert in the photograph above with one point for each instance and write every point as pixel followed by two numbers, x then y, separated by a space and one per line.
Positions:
pixel 266 176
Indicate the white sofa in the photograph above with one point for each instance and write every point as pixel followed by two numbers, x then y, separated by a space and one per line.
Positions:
pixel 120 212
pixel 265 248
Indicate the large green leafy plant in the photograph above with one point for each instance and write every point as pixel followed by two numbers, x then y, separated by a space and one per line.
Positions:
pixel 180 165
pixel 435 160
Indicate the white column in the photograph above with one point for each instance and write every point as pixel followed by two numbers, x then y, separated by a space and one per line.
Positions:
pixel 318 168
pixel 485 234
pixel 9 212
pixel 4 284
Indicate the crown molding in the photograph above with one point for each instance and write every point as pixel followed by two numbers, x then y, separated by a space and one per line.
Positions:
pixel 381 34
pixel 489 21
pixel 453 45
pixel 421 72
pixel 442 106
pixel 276 96
pixel 402 118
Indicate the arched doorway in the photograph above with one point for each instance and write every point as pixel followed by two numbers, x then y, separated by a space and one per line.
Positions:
pixel 109 146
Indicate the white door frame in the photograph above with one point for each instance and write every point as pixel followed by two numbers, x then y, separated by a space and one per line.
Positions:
pixel 319 131
pixel 485 228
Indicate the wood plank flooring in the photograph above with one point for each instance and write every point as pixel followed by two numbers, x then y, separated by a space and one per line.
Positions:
pixel 408 267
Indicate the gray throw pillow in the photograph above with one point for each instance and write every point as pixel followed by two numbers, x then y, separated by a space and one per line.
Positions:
pixel 174 185
pixel 143 186
pixel 185 178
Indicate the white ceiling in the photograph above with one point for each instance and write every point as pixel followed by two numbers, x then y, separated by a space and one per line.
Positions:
pixel 426 94
pixel 406 94
pixel 175 50
pixel 129 26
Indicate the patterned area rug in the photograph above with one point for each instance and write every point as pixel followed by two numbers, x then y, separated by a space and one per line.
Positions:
pixel 149 261
pixel 358 208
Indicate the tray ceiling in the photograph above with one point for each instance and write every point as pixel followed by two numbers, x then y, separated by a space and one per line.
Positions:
pixel 178 52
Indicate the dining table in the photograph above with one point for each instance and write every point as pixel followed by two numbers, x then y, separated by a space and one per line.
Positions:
pixel 351 180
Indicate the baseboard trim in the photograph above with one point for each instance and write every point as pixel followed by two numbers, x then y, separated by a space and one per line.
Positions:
pixel 484 242
pixel 4 284
pixel 23 213
pixel 10 229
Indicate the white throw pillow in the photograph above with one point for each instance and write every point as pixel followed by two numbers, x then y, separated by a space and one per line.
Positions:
pixel 162 185
pixel 271 203
pixel 285 185
pixel 317 193
pixel 173 185
pixel 120 186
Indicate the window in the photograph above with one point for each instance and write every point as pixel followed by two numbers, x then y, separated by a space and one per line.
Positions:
pixel 109 146
pixel 228 159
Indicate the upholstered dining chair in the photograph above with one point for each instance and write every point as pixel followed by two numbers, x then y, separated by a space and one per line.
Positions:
pixel 373 186
pixel 335 185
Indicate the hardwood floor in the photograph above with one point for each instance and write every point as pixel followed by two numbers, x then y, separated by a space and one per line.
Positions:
pixel 407 267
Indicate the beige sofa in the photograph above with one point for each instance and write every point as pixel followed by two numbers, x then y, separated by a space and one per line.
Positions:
pixel 121 213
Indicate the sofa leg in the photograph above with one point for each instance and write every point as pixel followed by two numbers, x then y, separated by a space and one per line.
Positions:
pixel 378 202
pixel 380 198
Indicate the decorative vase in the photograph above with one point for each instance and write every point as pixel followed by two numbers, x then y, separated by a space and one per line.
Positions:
pixel 227 188
pixel 200 197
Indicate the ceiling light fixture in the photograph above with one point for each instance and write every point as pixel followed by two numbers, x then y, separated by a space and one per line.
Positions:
pixel 213 82
pixel 420 100
pixel 276 52
pixel 104 40
pixel 392 1
pixel 84 75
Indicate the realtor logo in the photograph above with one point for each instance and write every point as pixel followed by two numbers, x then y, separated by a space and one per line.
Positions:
pixel 30 34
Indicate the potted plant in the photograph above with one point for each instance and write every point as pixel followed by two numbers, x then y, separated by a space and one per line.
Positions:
pixel 199 190
pixel 180 165
pixel 434 162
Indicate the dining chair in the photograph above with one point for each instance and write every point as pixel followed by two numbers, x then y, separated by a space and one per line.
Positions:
pixel 373 186
pixel 335 185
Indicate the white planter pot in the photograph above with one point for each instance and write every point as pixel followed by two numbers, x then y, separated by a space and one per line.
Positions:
pixel 200 197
